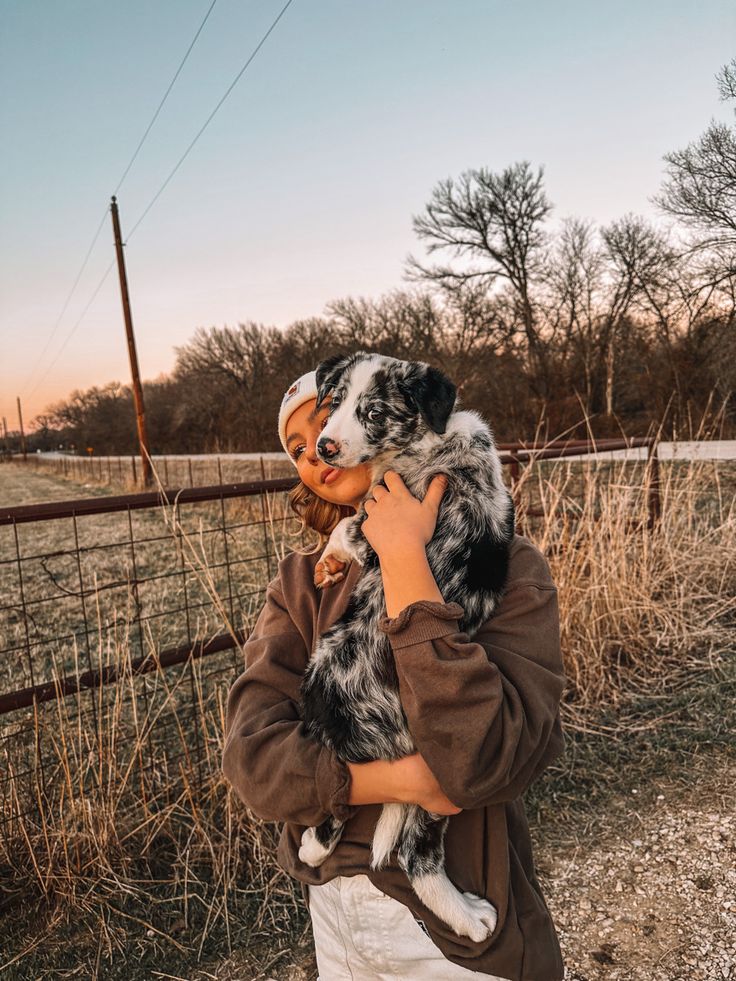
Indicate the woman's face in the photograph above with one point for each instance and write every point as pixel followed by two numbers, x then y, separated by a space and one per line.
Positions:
pixel 347 486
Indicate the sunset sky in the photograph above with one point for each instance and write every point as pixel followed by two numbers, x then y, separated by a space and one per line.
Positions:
pixel 302 188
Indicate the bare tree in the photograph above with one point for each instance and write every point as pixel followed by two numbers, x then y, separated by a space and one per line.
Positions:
pixel 700 189
pixel 574 278
pixel 494 222
pixel 402 323
pixel 457 331
pixel 642 278
pixel 232 370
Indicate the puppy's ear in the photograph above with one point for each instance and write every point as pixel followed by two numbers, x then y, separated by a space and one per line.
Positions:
pixel 328 374
pixel 431 392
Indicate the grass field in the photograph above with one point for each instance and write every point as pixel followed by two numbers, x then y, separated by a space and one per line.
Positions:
pixel 130 869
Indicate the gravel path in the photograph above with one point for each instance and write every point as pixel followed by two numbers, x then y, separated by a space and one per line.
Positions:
pixel 656 904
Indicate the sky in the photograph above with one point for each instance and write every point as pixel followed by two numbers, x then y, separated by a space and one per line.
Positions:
pixel 302 188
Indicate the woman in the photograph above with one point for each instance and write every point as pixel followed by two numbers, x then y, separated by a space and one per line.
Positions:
pixel 484 714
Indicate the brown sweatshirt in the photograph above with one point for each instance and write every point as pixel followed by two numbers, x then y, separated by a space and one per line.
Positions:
pixel 484 714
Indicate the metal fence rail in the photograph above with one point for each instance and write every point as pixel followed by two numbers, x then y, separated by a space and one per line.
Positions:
pixel 100 600
pixel 72 573
pixel 196 470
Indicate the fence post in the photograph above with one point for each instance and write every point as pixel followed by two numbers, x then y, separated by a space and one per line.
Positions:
pixel 515 473
pixel 655 506
pixel 135 478
pixel 263 519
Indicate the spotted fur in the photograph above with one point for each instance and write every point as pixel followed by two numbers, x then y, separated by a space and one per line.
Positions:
pixel 401 415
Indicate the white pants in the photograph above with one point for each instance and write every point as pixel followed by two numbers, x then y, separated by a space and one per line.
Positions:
pixel 361 934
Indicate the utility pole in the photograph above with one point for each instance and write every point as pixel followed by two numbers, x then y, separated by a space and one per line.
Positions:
pixel 5 435
pixel 132 354
pixel 22 434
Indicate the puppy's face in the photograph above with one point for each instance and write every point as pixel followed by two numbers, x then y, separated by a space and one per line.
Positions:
pixel 379 405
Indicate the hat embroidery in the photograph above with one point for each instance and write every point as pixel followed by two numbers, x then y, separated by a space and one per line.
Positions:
pixel 292 391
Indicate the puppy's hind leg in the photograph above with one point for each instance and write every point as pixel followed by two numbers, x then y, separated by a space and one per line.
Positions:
pixel 320 842
pixel 388 831
pixel 422 857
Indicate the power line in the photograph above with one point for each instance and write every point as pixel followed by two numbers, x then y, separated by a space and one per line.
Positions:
pixel 210 118
pixel 66 302
pixel 73 330
pixel 165 183
pixel 166 95
pixel 54 329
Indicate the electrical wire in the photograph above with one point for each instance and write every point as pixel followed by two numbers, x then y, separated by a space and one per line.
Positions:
pixel 54 329
pixel 166 95
pixel 51 336
pixel 73 330
pixel 209 118
pixel 163 186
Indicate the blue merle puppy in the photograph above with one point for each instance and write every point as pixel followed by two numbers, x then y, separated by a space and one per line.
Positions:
pixel 401 415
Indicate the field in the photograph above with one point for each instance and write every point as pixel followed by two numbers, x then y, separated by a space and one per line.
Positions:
pixel 154 870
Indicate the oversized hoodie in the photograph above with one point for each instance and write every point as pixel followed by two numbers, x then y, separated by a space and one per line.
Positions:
pixel 484 714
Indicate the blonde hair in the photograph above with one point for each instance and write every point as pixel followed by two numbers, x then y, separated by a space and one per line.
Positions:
pixel 316 514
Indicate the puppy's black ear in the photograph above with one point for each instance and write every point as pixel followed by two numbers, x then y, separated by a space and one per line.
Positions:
pixel 431 392
pixel 328 374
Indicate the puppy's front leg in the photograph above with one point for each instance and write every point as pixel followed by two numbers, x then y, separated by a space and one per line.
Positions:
pixel 339 552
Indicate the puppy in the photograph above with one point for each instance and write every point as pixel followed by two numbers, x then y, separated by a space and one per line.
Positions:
pixel 401 415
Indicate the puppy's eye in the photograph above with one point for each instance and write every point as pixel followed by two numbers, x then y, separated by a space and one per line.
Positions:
pixel 334 402
pixel 374 414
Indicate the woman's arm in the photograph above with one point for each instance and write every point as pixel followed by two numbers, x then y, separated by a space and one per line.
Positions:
pixel 484 714
pixel 276 768
pixel 404 781
pixel 280 772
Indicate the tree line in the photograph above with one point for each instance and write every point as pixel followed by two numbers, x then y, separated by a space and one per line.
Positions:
pixel 602 328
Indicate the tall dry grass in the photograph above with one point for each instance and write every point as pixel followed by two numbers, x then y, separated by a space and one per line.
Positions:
pixel 640 607
pixel 131 833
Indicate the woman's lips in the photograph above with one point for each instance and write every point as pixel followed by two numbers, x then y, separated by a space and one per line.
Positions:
pixel 331 475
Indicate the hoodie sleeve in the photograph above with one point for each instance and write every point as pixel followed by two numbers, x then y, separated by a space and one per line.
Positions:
pixel 484 713
pixel 279 771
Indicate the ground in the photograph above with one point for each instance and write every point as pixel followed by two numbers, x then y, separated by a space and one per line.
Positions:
pixel 656 902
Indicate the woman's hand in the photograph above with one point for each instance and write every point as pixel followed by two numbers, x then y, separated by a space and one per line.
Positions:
pixel 404 781
pixel 397 521
pixel 418 785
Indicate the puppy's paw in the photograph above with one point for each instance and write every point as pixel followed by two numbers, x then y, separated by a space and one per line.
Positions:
pixel 481 918
pixel 312 852
pixel 330 570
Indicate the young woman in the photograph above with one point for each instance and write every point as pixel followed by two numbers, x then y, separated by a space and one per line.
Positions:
pixel 484 714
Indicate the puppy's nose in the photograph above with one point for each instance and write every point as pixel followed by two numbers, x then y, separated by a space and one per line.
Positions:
pixel 328 448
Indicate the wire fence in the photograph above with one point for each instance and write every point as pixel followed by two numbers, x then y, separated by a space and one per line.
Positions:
pixel 125 472
pixel 116 606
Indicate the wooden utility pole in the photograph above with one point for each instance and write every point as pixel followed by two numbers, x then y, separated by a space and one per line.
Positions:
pixel 22 434
pixel 132 354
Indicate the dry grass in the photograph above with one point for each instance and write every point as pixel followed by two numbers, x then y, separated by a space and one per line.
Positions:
pixel 638 607
pixel 130 847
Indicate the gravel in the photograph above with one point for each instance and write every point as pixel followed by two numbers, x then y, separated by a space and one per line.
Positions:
pixel 659 905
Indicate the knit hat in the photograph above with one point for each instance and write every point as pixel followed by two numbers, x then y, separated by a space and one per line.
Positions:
pixel 301 391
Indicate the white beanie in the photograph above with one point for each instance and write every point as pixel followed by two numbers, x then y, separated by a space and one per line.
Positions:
pixel 301 391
